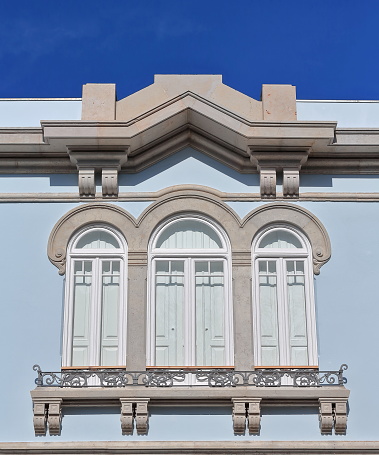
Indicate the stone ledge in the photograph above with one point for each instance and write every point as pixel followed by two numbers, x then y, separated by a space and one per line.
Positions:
pixel 192 447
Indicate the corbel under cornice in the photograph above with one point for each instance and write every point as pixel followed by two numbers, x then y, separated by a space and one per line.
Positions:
pixel 269 162
pixel 89 160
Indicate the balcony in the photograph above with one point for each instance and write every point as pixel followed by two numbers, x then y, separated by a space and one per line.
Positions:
pixel 245 391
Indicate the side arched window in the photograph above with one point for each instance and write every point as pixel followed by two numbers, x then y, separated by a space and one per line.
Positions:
pixel 283 299
pixel 95 294
pixel 190 316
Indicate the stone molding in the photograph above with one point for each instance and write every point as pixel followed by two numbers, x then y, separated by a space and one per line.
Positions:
pixel 240 232
pixel 246 411
pixel 269 163
pixel 47 414
pixel 246 403
pixel 89 161
pixel 79 217
pixel 134 412
pixel 298 217
pixel 191 447
pixel 153 196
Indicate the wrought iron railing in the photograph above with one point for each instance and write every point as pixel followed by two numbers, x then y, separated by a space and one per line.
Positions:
pixel 183 377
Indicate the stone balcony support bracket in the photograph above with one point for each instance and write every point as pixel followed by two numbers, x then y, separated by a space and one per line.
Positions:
pixel 269 163
pixel 134 411
pixel 333 415
pixel 47 414
pixel 246 410
pixel 105 162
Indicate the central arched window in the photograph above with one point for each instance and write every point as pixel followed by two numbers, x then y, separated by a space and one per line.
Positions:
pixel 95 310
pixel 190 317
pixel 283 302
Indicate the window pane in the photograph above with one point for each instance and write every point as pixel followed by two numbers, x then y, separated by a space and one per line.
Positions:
pixel 268 305
pixel 297 313
pixel 82 301
pixel 169 303
pixel 280 239
pixel 189 234
pixel 210 314
pixel 97 240
pixel 110 312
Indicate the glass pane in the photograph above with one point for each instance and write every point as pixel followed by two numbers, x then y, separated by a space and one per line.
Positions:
pixel 169 303
pixel 81 323
pixel 210 313
pixel 201 267
pixel 268 306
pixel 189 234
pixel 216 267
pixel 110 312
pixel 297 313
pixel 162 266
pixel 280 239
pixel 97 240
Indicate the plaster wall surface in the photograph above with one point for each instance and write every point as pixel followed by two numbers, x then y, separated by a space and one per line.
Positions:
pixel 29 113
pixel 188 166
pixel 348 114
pixel 31 324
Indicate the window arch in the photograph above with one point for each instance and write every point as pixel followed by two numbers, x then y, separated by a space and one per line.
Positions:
pixel 95 298
pixel 189 311
pixel 283 298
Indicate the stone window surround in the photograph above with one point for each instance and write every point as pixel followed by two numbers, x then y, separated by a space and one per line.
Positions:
pixel 241 233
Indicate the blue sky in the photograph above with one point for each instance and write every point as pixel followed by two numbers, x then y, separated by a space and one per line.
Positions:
pixel 328 49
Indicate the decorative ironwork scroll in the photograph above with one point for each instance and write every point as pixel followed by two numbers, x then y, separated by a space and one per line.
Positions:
pixel 114 377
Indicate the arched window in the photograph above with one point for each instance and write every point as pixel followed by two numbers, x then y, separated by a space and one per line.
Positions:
pixel 95 311
pixel 283 299
pixel 190 315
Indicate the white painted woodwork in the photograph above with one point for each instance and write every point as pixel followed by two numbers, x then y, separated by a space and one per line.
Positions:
pixel 190 312
pixel 95 316
pixel 283 302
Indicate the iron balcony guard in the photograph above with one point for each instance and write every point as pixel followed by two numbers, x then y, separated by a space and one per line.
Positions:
pixel 175 377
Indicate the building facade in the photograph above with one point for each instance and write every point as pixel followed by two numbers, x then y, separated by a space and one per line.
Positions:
pixel 189 270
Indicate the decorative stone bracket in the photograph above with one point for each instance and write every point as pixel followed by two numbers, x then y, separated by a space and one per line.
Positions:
pixel 89 162
pixel 246 410
pixel 47 414
pixel 270 162
pixel 333 414
pixel 134 411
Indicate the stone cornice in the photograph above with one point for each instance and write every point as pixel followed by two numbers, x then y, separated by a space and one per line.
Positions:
pixel 191 447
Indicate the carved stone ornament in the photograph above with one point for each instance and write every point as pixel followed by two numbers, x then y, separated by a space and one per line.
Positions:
pixel 300 218
pixel 86 182
pixel 127 417
pixel 254 416
pixel 89 161
pixel 142 417
pixel 268 183
pixel 333 414
pixel 239 417
pixel 291 183
pixel 340 417
pixel 269 162
pixel 39 418
pixel 134 410
pixel 82 216
pixel 109 182
pixel 47 413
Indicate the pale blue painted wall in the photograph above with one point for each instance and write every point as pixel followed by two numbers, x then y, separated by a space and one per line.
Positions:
pixel 31 310
pixel 187 167
pixel 29 113
pixel 348 114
